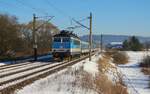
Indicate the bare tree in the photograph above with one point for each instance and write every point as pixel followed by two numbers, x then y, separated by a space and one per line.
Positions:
pixel 10 37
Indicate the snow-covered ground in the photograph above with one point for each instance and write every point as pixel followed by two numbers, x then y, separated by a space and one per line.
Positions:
pixel 137 82
pixel 67 81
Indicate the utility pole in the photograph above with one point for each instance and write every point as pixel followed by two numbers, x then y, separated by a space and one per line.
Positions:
pixel 101 43
pixel 34 37
pixel 90 34
pixel 90 37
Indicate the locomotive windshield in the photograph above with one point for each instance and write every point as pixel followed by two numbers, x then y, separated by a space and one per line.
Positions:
pixel 66 40
pixel 57 39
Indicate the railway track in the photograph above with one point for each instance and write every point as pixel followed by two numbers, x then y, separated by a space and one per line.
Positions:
pixel 14 78
pixel 15 68
pixel 14 65
pixel 22 69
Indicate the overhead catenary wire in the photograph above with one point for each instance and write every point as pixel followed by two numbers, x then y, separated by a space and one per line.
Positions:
pixel 6 4
pixel 80 24
pixel 45 22
pixel 19 4
pixel 57 9
pixel 31 7
pixel 67 15
pixel 14 6
pixel 84 19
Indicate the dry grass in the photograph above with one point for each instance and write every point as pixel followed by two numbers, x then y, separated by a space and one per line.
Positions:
pixel 105 86
pixel 100 83
pixel 146 71
pixel 118 57
pixel 146 65
pixel 145 62
pixel 103 83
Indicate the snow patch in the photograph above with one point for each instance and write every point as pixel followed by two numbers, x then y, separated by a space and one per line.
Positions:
pixel 133 77
pixel 91 67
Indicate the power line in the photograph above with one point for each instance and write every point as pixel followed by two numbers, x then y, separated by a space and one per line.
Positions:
pixel 7 4
pixel 81 24
pixel 58 10
pixel 50 17
pixel 83 19
pixel 24 4
pixel 33 8
pixel 67 15
pixel 62 12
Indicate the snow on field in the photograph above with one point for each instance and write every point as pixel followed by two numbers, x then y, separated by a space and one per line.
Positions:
pixel 137 82
pixel 67 81
pixel 136 57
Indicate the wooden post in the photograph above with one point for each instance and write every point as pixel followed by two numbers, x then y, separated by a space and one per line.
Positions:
pixel 90 37
pixel 34 38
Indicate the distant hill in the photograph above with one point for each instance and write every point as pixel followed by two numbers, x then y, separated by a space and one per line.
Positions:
pixel 112 38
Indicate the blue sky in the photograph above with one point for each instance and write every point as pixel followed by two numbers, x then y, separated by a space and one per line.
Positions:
pixel 119 17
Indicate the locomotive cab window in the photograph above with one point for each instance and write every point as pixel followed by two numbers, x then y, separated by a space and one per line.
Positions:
pixel 66 40
pixel 57 39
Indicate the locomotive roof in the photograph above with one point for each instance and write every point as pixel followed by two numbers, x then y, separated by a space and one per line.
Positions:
pixel 65 33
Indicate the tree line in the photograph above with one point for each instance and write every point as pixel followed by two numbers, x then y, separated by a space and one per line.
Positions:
pixel 16 38
pixel 133 44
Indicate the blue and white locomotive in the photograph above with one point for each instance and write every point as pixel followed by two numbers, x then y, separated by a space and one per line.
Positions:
pixel 66 44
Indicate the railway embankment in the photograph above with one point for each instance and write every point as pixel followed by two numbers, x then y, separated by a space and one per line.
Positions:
pixel 85 77
pixel 17 76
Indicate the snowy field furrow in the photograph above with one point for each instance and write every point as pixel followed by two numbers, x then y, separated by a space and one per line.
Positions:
pixel 22 68
pixel 24 73
pixel 134 78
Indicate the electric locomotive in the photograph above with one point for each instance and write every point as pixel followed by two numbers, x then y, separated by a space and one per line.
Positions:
pixel 66 44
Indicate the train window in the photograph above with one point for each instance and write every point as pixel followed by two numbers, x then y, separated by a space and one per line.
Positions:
pixel 57 39
pixel 66 40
